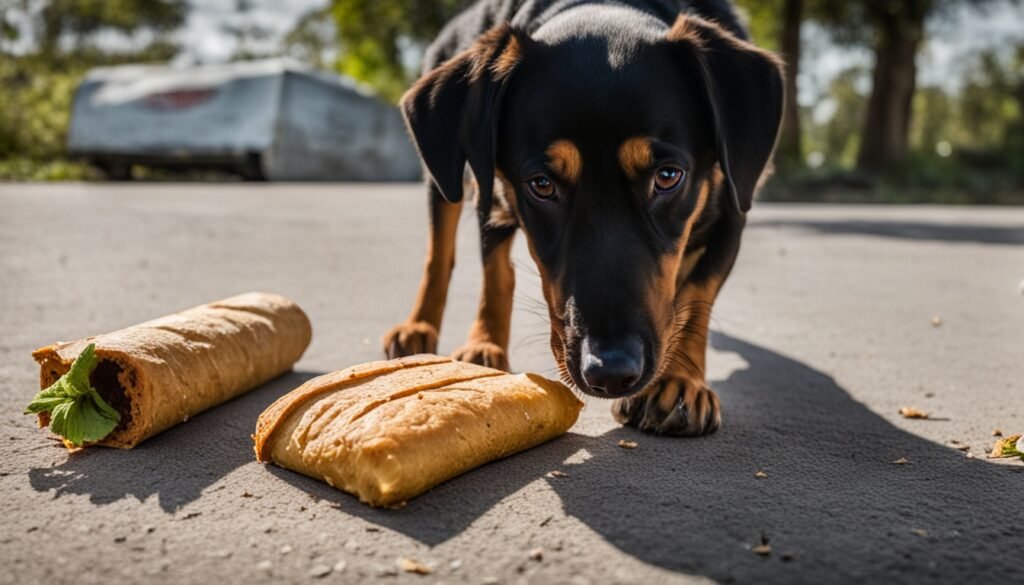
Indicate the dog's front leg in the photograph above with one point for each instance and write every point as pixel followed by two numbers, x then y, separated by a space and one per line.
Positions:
pixel 679 402
pixel 487 342
pixel 418 334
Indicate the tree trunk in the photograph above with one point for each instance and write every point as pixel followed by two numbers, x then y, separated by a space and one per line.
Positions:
pixel 900 29
pixel 790 151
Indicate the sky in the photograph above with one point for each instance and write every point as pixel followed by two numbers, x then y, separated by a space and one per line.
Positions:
pixel 204 39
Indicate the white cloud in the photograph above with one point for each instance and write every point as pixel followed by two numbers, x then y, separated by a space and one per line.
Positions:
pixel 204 39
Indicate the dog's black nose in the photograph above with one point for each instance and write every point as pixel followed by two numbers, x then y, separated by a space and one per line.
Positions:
pixel 613 368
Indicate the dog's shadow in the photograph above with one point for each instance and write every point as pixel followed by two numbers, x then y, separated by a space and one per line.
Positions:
pixel 177 465
pixel 834 507
pixel 448 509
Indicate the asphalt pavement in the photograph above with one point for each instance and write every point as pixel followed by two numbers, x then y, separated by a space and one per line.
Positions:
pixel 834 319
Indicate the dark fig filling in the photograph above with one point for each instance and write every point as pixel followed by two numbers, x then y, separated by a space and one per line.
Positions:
pixel 105 380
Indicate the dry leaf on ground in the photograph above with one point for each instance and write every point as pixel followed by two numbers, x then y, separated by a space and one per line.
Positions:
pixel 1007 447
pixel 910 412
pixel 762 549
pixel 411 566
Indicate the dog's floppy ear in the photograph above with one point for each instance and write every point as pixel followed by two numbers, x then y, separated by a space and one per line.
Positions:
pixel 745 93
pixel 452 112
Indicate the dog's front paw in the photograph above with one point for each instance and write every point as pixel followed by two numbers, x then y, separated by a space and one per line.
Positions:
pixel 483 353
pixel 673 406
pixel 410 338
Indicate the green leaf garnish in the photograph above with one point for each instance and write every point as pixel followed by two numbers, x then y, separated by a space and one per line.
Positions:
pixel 1007 447
pixel 77 411
pixel 1010 450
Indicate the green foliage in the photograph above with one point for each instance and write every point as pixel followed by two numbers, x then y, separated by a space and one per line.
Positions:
pixel 844 20
pixel 1009 448
pixel 312 39
pixel 991 105
pixel 26 169
pixel 78 21
pixel 762 19
pixel 377 37
pixel 838 138
pixel 77 411
pixel 966 146
pixel 37 105
pixel 8 32
pixel 972 140
pixel 969 141
pixel 37 89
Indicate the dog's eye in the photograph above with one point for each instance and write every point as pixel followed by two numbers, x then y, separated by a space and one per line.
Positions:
pixel 541 187
pixel 668 179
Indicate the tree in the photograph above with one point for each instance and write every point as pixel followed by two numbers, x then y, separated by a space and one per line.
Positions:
pixel 67 26
pixel 378 38
pixel 991 107
pixel 790 149
pixel 37 82
pixel 778 25
pixel 838 139
pixel 899 30
pixel 313 39
pixel 251 38
pixel 8 31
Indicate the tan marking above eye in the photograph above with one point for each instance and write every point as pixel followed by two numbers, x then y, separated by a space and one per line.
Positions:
pixel 636 157
pixel 565 160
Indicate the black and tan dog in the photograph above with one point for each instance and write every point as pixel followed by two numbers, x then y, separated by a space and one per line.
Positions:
pixel 626 139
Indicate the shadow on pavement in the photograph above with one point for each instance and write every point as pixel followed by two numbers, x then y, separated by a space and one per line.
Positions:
pixel 908 230
pixel 834 507
pixel 447 510
pixel 176 465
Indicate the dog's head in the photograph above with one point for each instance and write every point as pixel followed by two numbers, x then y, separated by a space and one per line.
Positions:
pixel 617 138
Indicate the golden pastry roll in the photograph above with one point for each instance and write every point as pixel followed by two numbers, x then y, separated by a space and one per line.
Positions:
pixel 388 431
pixel 153 376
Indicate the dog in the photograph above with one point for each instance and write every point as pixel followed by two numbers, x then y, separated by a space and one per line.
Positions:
pixel 626 140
